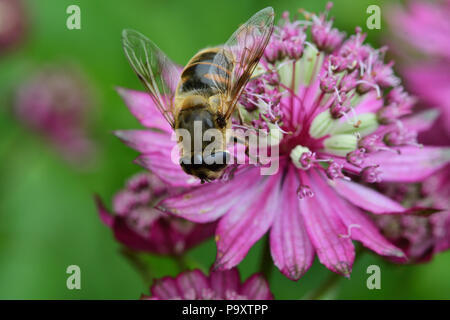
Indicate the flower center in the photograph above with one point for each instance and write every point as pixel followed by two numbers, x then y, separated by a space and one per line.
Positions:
pixel 325 97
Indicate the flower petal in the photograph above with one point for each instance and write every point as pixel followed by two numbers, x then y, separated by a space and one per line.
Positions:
pixel 210 201
pixel 143 108
pixel 420 121
pixel 256 288
pixel 411 165
pixel 360 227
pixel 430 82
pixel 192 284
pixel 106 217
pixel 441 230
pixel 147 141
pixel 158 156
pixel 291 249
pixel 225 281
pixel 248 220
pixel 162 165
pixel 366 198
pixel 370 102
pixel 157 243
pixel 165 288
pixel 325 227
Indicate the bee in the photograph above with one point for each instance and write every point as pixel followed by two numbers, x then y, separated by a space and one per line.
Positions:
pixel 204 92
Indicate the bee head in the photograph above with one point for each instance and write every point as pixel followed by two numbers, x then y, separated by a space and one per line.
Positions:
pixel 206 168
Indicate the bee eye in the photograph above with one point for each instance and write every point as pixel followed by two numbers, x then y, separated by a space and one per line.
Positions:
pixel 218 158
pixel 195 159
pixel 197 165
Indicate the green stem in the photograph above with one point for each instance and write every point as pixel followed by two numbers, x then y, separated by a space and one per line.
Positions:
pixel 181 263
pixel 331 282
pixel 266 264
pixel 141 267
pixel 328 285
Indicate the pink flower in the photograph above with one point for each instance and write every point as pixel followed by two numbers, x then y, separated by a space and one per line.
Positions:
pixel 420 237
pixel 332 134
pixel 220 285
pixel 13 24
pixel 425 27
pixel 140 226
pixel 55 103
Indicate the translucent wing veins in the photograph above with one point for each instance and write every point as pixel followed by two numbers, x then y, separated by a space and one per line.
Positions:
pixel 245 47
pixel 155 70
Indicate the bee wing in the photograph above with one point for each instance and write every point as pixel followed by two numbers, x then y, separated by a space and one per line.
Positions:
pixel 155 70
pixel 241 54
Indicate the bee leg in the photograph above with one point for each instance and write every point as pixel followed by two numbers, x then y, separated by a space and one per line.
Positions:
pixel 247 151
pixel 228 174
pixel 241 117
pixel 232 171
pixel 245 142
pixel 239 140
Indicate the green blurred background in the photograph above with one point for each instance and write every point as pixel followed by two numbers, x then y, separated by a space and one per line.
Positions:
pixel 48 220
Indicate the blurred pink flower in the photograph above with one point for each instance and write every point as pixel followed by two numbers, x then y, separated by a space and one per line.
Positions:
pixel 425 26
pixel 13 24
pixel 56 103
pixel 420 237
pixel 219 285
pixel 336 129
pixel 139 226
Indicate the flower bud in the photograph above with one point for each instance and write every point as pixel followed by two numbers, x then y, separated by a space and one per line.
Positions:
pixel 334 171
pixel 327 83
pixel 356 157
pixel 370 143
pixel 274 51
pixel 297 154
pixel 338 109
pixel 371 174
pixel 304 191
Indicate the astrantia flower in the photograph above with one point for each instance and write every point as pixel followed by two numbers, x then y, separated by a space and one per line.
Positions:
pixel 219 285
pixel 12 23
pixel 139 226
pixel 55 103
pixel 342 119
pixel 420 237
pixel 425 27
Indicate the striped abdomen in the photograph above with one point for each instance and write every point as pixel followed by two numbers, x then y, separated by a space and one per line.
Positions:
pixel 203 75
